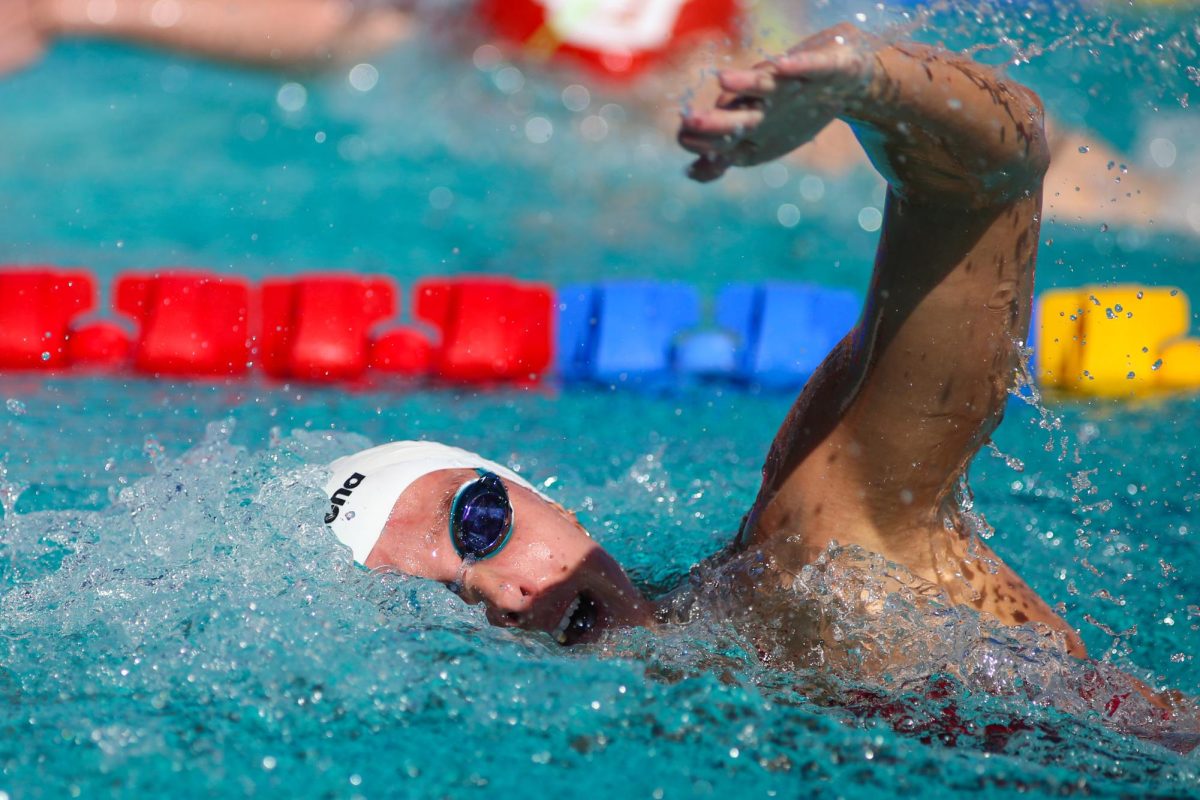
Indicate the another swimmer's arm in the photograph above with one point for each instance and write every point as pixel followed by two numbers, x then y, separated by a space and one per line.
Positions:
pixel 253 31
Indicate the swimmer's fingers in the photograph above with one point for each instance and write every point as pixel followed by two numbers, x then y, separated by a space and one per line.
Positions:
pixel 716 125
pixel 744 83
pixel 833 63
pixel 716 136
pixel 708 168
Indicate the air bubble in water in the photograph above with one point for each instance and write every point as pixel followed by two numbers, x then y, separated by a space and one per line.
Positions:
pixel 153 449
pixel 15 407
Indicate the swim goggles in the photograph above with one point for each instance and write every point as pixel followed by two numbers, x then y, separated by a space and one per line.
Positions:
pixel 481 517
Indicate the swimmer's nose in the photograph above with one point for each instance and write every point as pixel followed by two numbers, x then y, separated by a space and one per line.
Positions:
pixel 509 602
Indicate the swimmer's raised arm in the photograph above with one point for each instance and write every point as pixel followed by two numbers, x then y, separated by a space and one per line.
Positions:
pixel 872 450
pixel 276 32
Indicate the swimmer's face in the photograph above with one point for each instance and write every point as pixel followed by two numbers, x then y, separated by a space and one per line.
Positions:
pixel 549 575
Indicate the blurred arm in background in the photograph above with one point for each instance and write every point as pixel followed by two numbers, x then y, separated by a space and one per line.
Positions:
pixel 270 32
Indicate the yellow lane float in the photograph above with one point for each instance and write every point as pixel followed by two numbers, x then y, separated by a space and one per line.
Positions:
pixel 1115 341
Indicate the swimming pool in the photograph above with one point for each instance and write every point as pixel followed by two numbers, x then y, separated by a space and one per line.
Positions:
pixel 174 617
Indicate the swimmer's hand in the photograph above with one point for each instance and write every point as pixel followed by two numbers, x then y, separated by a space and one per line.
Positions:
pixel 778 105
pixel 22 39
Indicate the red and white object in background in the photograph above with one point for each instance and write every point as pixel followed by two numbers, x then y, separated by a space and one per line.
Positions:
pixel 617 38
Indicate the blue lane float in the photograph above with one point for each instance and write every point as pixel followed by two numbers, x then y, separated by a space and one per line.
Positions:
pixel 771 335
pixel 623 331
pixel 784 330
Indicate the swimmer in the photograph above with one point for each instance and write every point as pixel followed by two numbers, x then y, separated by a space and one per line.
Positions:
pixel 875 444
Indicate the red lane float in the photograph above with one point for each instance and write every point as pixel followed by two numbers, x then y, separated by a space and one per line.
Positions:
pixel 492 329
pixel 37 307
pixel 190 324
pixel 317 327
pixel 403 351
pixel 100 344
pixel 617 39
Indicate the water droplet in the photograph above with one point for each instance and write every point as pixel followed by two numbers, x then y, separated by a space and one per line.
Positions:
pixel 363 77
pixel 870 219
pixel 539 130
pixel 1130 376
pixel 576 97
pixel 1083 148
pixel 291 97
pixel 775 175
pixel 1104 227
pixel 509 80
pixel 1163 152
pixel 487 57
pixel 45 356
pixel 15 407
pixel 812 188
pixel 1156 364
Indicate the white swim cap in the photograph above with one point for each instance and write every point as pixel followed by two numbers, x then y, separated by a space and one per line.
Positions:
pixel 364 487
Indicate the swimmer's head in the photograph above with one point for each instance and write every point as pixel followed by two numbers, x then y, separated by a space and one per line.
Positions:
pixel 438 512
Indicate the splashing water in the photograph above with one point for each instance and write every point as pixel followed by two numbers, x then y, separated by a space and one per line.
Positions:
pixel 206 621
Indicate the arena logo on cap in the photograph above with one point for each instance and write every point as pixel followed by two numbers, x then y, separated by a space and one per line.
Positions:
pixel 340 496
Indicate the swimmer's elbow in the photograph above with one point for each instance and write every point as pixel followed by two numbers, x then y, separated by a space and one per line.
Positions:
pixel 1036 157
pixel 1027 158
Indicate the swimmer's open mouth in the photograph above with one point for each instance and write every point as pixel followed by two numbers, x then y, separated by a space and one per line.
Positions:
pixel 580 623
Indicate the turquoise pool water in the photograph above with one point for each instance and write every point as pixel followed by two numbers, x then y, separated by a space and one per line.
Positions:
pixel 174 618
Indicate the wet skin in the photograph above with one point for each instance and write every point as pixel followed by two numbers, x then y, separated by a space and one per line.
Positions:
pixel 533 582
